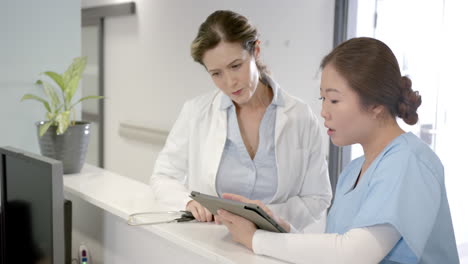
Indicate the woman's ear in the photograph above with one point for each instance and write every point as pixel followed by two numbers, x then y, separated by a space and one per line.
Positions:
pixel 257 49
pixel 378 111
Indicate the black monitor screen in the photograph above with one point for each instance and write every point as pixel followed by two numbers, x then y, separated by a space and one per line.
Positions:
pixel 32 208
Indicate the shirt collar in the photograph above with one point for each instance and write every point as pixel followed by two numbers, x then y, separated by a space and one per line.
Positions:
pixel 278 99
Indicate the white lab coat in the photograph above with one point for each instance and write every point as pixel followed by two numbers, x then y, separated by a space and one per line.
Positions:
pixel 190 158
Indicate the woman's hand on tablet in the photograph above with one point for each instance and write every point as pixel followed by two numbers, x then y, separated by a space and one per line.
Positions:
pixel 200 213
pixel 267 210
pixel 241 229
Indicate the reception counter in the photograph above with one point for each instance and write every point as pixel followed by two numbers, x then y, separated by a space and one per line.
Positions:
pixel 102 202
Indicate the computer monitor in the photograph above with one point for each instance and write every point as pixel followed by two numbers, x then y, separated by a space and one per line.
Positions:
pixel 32 216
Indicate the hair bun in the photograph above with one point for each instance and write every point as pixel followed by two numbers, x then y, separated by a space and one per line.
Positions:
pixel 409 102
pixel 406 83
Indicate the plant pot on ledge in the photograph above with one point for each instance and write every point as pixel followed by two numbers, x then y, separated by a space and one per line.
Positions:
pixel 69 147
pixel 59 137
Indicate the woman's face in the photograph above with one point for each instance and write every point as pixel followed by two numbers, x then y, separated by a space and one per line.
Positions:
pixel 233 70
pixel 345 119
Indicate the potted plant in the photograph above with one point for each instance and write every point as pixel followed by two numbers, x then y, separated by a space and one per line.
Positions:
pixel 60 136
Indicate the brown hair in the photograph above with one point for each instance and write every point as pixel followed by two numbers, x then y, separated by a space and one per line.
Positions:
pixel 372 70
pixel 228 26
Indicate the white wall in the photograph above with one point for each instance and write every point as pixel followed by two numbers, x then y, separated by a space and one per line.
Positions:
pixel 35 36
pixel 150 73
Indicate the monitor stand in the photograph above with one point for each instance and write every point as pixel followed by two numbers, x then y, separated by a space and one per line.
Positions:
pixel 67 217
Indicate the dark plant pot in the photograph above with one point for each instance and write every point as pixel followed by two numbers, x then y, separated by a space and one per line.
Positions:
pixel 70 147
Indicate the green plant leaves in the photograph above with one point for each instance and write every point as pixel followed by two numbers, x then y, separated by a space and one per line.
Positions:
pixel 52 94
pixel 72 76
pixel 37 98
pixel 75 69
pixel 71 79
pixel 57 79
pixel 59 107
pixel 63 121
pixel 87 98
pixel 70 90
pixel 50 116
pixel 44 128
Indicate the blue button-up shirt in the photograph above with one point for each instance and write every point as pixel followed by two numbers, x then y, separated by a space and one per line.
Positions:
pixel 255 179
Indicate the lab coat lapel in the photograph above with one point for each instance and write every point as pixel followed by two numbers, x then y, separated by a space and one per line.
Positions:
pixel 281 122
pixel 216 140
pixel 281 116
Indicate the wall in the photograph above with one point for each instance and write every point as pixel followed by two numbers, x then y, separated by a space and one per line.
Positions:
pixel 35 36
pixel 149 72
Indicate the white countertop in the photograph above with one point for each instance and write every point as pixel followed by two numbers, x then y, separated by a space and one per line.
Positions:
pixel 122 196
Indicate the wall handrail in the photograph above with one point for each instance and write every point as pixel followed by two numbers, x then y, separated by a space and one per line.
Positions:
pixel 136 131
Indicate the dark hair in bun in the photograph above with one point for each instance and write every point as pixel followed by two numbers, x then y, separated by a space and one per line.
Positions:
pixel 372 71
pixel 409 102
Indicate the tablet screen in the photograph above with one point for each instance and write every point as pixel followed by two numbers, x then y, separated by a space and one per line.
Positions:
pixel 251 212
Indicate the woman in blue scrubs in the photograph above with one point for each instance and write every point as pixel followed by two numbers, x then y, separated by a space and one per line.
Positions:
pixel 390 204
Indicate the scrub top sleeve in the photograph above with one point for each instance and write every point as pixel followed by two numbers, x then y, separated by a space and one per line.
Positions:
pixel 168 180
pixel 357 246
pixel 404 192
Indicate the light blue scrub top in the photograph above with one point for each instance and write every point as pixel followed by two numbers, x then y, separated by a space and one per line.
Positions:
pixel 255 179
pixel 404 186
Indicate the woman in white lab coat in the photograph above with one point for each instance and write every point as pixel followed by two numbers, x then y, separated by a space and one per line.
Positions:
pixel 249 137
pixel 390 205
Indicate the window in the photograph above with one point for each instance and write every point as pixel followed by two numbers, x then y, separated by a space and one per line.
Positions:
pixel 429 39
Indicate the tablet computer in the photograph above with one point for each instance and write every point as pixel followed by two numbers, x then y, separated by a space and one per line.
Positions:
pixel 252 212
